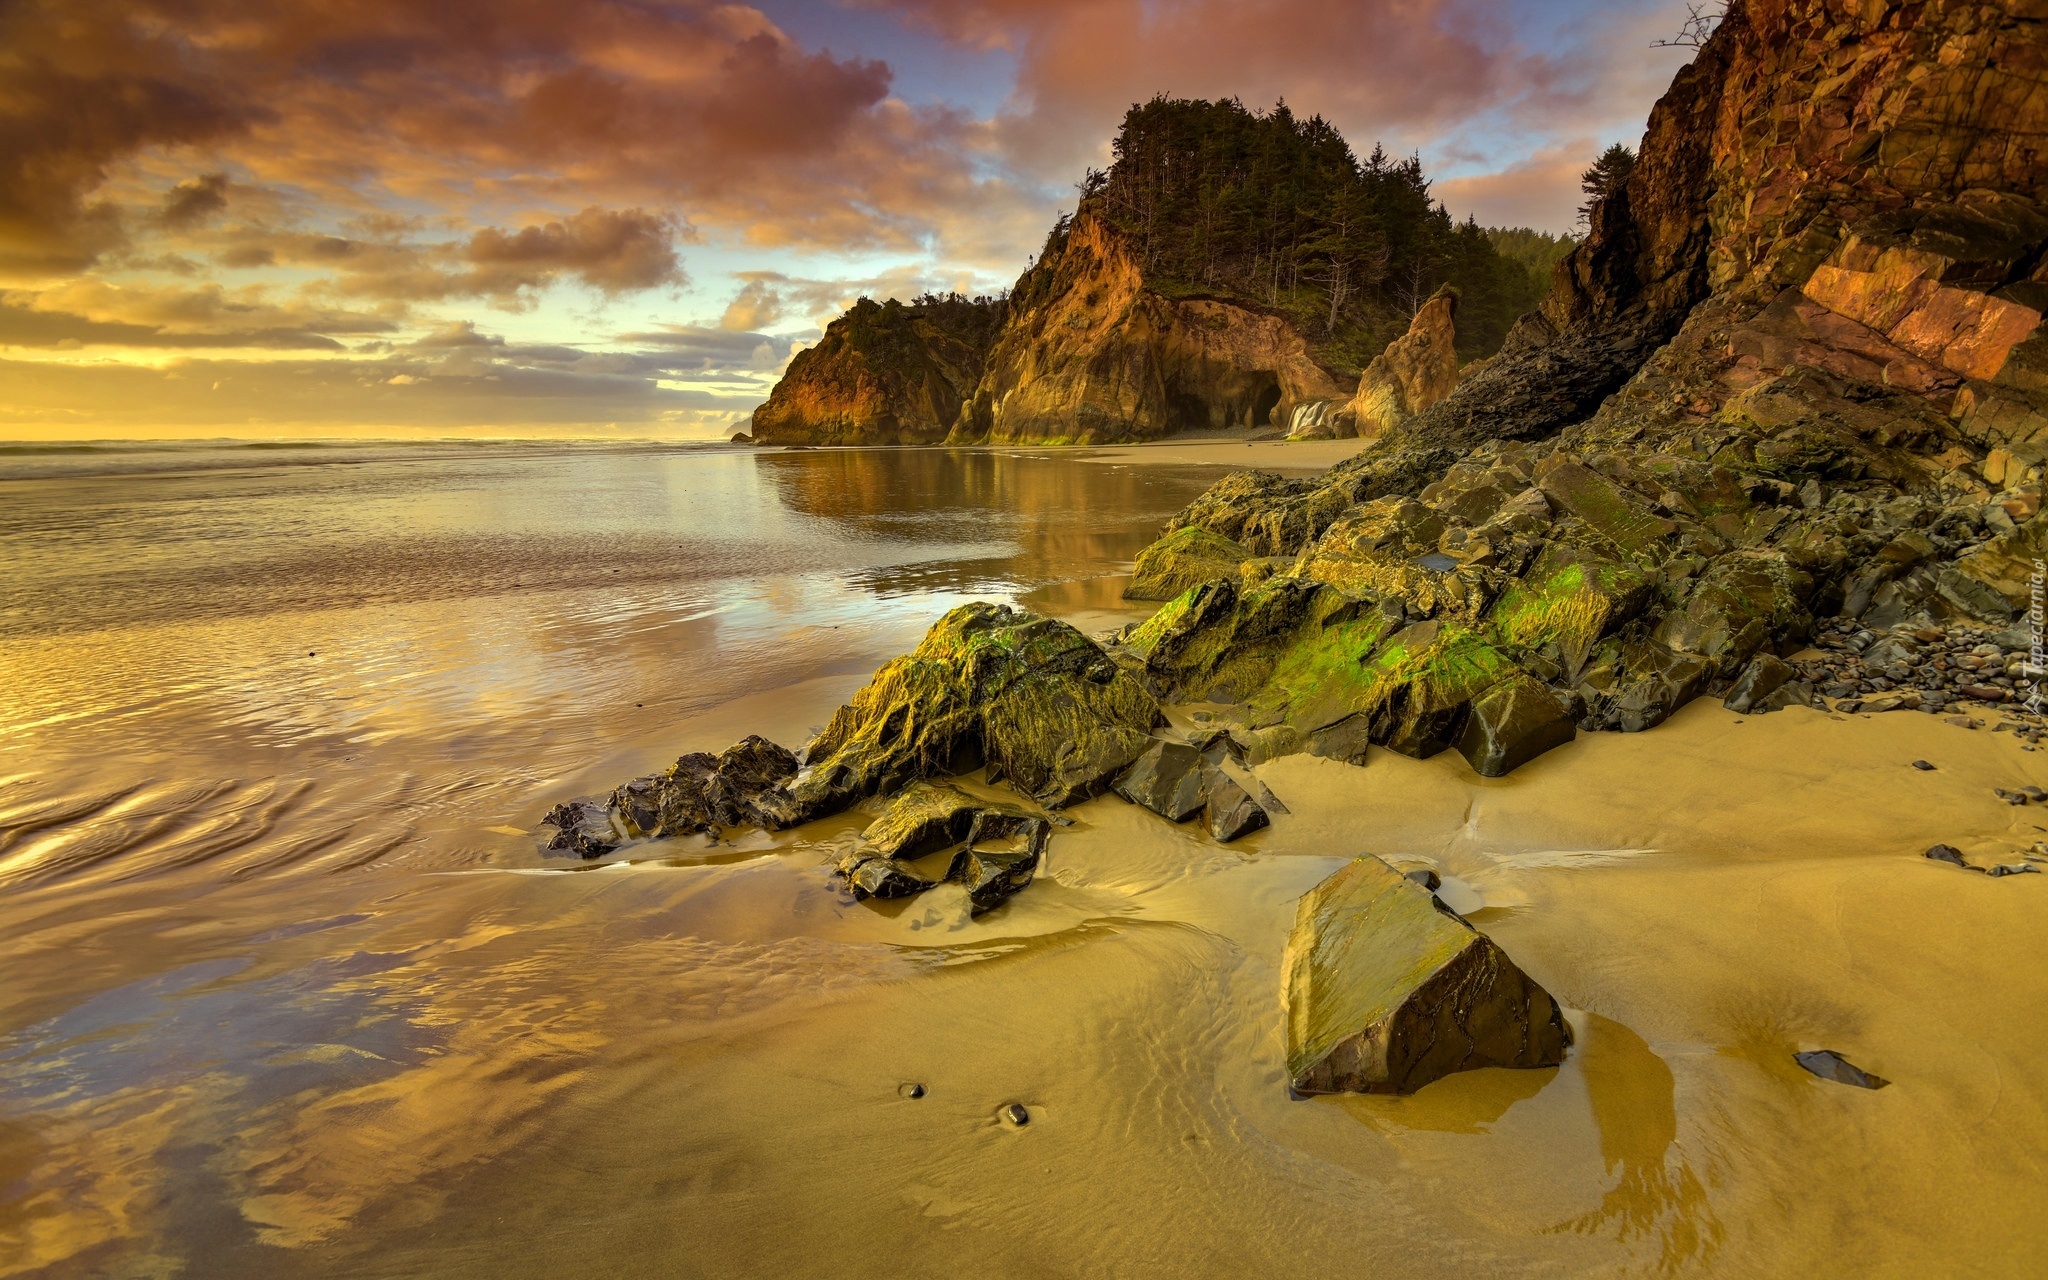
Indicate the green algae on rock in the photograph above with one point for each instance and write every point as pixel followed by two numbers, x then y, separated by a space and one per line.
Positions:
pixel 1386 990
pixel 1183 559
pixel 1037 702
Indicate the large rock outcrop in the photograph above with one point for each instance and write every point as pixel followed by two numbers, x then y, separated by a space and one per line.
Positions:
pixel 1091 354
pixel 1792 383
pixel 1387 989
pixel 884 373
pixel 1416 371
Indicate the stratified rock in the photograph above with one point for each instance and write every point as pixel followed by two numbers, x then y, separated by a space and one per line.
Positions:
pixel 1032 698
pixel 1167 779
pixel 924 818
pixel 1511 724
pixel 1232 811
pixel 1387 990
pixel 1416 370
pixel 1758 681
pixel 1829 1065
pixel 1182 560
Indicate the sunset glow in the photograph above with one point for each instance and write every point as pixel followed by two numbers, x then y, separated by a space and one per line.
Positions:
pixel 236 218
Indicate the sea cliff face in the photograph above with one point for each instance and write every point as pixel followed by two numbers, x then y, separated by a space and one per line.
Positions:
pixel 1091 354
pixel 884 373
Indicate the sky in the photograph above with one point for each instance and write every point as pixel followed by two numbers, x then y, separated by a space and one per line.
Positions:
pixel 620 218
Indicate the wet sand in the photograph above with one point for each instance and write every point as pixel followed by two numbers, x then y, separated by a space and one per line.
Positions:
pixel 1262 455
pixel 290 988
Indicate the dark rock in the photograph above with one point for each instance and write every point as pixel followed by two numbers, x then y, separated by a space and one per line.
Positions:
pixel 928 819
pixel 1829 1065
pixel 582 828
pixel 1759 679
pixel 1947 853
pixel 1386 990
pixel 1511 724
pixel 910 1089
pixel 2011 869
pixel 1427 878
pixel 1015 1114
pixel 1345 741
pixel 887 878
pixel 1232 811
pixel 1923 766
pixel 1167 779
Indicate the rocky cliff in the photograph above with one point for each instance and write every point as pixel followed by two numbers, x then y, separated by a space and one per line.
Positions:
pixel 1091 354
pixel 1790 391
pixel 1415 372
pixel 884 373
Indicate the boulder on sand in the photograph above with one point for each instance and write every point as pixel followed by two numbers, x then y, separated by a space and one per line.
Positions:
pixel 1386 990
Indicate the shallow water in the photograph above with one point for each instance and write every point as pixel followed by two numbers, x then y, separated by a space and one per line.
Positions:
pixel 288 987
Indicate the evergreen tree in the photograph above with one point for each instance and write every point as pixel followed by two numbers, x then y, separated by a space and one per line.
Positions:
pixel 1604 177
pixel 1276 211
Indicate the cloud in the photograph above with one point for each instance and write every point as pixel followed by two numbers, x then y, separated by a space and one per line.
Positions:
pixel 609 250
pixel 194 200
pixel 1541 191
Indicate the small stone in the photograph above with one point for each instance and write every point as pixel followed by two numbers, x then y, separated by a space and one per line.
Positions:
pixel 2012 869
pixel 1946 853
pixel 912 1089
pixel 1829 1065
pixel 2010 797
pixel 1015 1114
pixel 1427 878
pixel 1923 766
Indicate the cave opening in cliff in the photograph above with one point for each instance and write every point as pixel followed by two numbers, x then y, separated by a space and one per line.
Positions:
pixel 1264 399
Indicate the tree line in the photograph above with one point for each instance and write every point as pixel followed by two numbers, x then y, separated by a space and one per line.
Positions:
pixel 1266 207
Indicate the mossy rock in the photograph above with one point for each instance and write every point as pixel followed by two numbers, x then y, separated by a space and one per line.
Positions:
pixel 1182 560
pixel 1386 990
pixel 1032 698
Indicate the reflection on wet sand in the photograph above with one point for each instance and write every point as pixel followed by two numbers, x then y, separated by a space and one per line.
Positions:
pixel 1656 1194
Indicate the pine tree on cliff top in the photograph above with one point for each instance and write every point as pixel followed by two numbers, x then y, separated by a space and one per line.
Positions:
pixel 1276 210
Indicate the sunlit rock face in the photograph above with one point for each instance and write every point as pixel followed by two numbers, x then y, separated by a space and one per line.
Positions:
pixel 884 373
pixel 1417 369
pixel 1092 354
pixel 1387 990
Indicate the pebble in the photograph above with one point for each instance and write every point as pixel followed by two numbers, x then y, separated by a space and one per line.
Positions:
pixel 911 1089
pixel 1426 878
pixel 1923 766
pixel 2013 869
pixel 1946 853
pixel 1829 1065
pixel 1015 1114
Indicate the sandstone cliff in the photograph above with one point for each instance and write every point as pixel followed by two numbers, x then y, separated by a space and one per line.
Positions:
pixel 1090 354
pixel 1415 372
pixel 884 373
